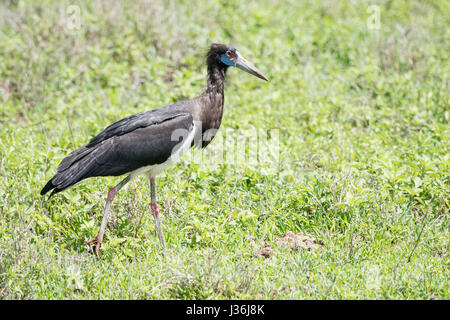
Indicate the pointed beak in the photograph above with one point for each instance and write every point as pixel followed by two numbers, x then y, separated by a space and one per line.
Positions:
pixel 243 64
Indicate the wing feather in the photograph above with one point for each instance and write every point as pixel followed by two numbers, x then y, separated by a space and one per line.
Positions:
pixel 140 140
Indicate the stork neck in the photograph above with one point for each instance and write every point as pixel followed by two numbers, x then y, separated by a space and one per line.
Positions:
pixel 216 78
pixel 211 102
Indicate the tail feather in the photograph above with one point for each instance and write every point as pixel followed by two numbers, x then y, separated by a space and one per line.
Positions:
pixel 49 186
pixel 75 167
pixel 79 165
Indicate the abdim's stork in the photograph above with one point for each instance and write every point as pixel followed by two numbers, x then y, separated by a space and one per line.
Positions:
pixel 148 142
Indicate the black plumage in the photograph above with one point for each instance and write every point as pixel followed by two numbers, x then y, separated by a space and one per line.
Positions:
pixel 144 142
pixel 137 141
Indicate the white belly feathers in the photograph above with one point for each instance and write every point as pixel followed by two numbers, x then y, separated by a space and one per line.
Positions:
pixel 177 152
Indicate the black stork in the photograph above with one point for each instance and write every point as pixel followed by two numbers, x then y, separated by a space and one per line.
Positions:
pixel 148 142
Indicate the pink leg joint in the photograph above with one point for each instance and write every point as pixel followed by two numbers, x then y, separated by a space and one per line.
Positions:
pixel 155 208
pixel 111 194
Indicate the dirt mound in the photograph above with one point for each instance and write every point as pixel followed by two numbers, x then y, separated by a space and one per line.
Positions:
pixel 265 251
pixel 297 241
pixel 294 241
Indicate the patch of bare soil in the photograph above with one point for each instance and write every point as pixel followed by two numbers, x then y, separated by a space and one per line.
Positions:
pixel 265 251
pixel 297 241
pixel 294 241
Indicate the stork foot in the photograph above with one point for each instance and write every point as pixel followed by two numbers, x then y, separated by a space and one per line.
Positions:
pixel 97 241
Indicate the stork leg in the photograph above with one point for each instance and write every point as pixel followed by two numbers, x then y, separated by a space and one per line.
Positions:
pixel 111 194
pixel 155 211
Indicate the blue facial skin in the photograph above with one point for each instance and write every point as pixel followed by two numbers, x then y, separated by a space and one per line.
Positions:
pixel 227 60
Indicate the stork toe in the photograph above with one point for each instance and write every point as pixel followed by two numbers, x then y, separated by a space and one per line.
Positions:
pixel 97 243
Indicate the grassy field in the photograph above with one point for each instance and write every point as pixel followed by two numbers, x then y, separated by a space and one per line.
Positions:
pixel 361 106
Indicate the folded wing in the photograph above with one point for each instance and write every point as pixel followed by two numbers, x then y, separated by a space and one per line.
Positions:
pixel 139 140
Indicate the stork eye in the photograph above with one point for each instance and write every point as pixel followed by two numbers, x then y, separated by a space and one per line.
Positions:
pixel 230 54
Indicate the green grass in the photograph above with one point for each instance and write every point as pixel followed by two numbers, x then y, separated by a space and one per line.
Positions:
pixel 364 165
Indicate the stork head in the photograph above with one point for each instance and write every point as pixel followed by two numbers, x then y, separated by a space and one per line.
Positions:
pixel 227 56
